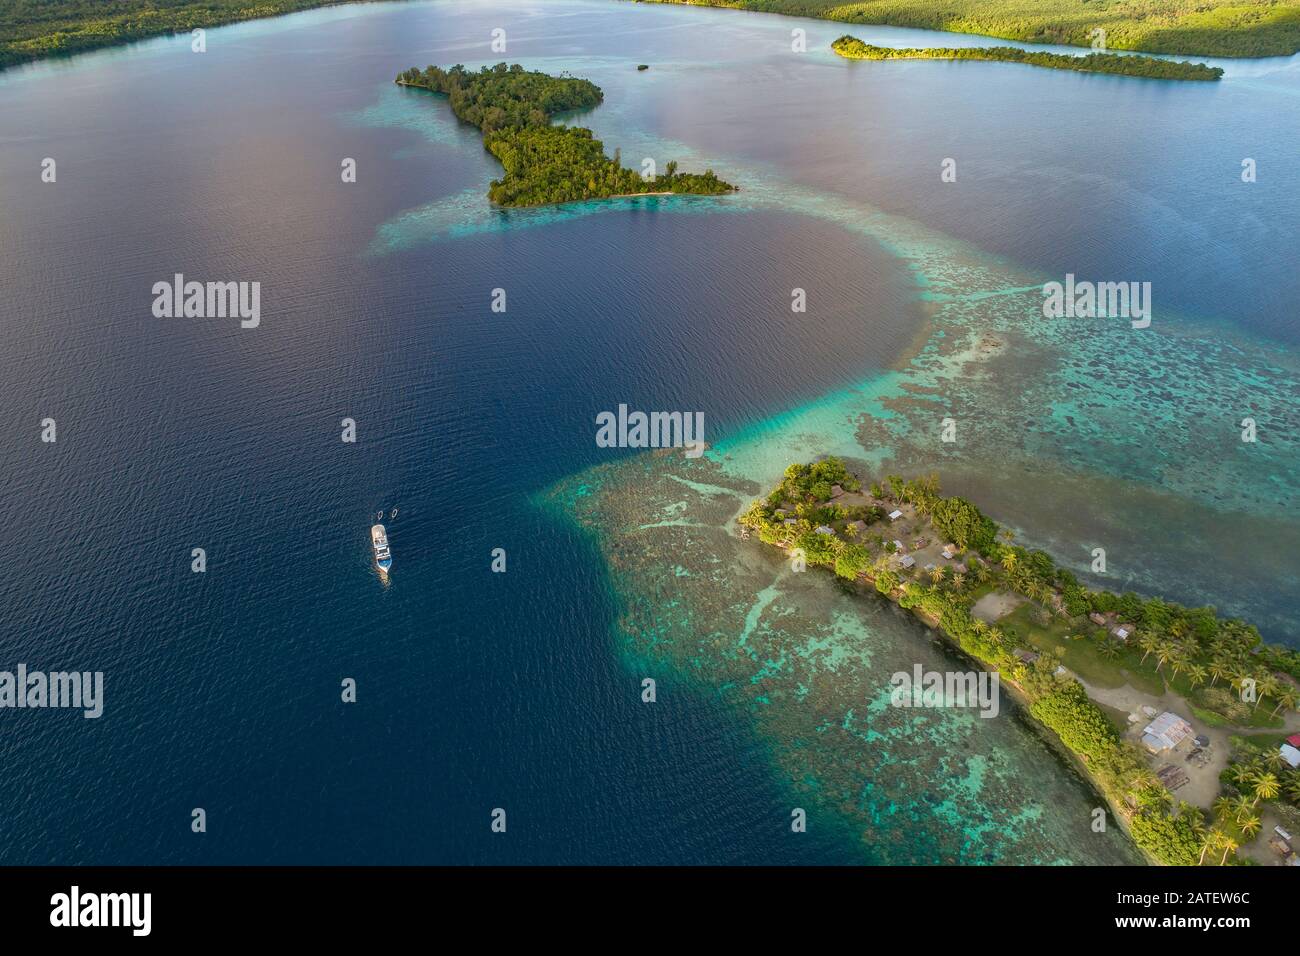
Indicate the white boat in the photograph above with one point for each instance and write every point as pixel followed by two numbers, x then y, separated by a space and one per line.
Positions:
pixel 383 557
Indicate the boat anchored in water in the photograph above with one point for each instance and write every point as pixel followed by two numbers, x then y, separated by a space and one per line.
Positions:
pixel 383 557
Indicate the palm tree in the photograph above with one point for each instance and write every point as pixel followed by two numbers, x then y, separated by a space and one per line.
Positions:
pixel 1195 822
pixel 1275 760
pixel 1242 807
pixel 1293 785
pixel 1267 686
pixel 1239 773
pixel 1221 667
pixel 1250 825
pixel 1287 697
pixel 1149 641
pixel 1227 844
pixel 1109 649
pixel 1196 675
pixel 1010 562
pixel 1241 677
pixel 1158 792
pixel 1144 778
pixel 1266 786
pixel 1209 841
pixel 1165 653
pixel 936 574
pixel 1178 659
pixel 959 580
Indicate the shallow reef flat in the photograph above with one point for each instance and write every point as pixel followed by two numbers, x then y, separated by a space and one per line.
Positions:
pixel 809 661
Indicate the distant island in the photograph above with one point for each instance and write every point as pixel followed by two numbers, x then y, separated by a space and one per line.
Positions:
pixel 1087 665
pixel 546 164
pixel 1230 28
pixel 30 31
pixel 1124 65
pixel 1210 28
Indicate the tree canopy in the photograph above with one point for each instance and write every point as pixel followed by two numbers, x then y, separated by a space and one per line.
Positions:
pixel 30 29
pixel 1204 28
pixel 514 108
pixel 803 514
pixel 1121 64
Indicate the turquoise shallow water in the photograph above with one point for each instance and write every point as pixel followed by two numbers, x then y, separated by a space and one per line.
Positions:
pixel 524 691
pixel 1133 435
pixel 809 664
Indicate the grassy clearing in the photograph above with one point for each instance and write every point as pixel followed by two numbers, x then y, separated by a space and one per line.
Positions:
pixel 1079 650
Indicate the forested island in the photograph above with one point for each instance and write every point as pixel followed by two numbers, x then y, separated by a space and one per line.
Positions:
pixel 545 164
pixel 1123 65
pixel 30 30
pixel 1244 28
pixel 1083 662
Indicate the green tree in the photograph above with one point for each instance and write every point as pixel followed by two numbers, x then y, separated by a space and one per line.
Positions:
pixel 1227 844
pixel 963 523
pixel 1266 787
pixel 1286 697
pixel 1209 841
pixel 1221 668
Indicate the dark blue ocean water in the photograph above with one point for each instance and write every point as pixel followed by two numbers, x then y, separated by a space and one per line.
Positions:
pixel 476 690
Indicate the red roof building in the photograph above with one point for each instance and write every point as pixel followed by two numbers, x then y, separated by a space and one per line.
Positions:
pixel 1294 740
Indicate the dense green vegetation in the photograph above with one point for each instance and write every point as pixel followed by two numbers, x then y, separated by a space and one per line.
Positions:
pixel 1149 67
pixel 962 523
pixel 1257 775
pixel 544 163
pixel 1195 644
pixel 35 28
pixel 506 97
pixel 1174 837
pixel 550 164
pixel 1192 27
pixel 1067 709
